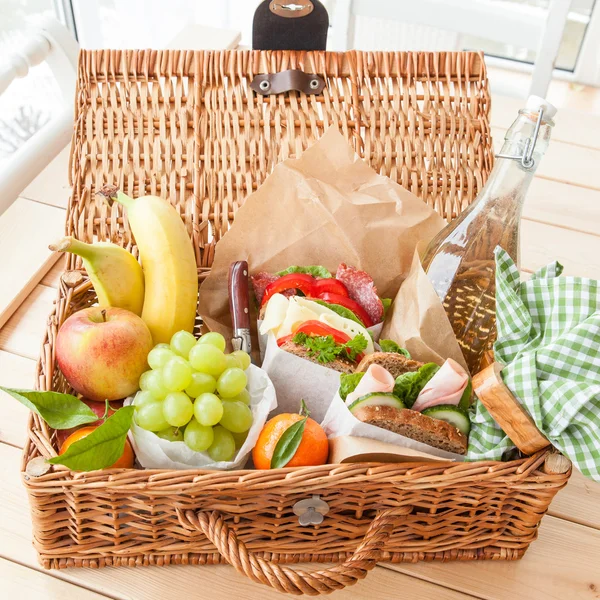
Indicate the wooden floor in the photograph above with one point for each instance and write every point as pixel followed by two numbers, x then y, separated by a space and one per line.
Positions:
pixel 561 221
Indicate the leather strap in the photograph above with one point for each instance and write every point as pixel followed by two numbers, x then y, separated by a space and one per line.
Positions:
pixel 293 79
pixel 290 25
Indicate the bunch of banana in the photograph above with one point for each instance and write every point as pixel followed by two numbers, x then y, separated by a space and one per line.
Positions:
pixel 169 286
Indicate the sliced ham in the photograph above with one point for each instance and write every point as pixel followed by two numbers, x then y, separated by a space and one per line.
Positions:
pixel 445 387
pixel 375 380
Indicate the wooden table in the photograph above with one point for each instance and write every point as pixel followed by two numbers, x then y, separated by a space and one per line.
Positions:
pixel 561 221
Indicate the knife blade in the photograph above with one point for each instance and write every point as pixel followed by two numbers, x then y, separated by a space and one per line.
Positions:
pixel 239 306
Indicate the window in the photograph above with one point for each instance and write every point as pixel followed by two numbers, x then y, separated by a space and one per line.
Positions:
pixel 28 103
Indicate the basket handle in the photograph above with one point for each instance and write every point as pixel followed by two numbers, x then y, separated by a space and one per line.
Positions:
pixel 287 580
pixel 507 411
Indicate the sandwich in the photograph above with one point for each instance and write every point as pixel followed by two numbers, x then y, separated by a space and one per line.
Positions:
pixel 421 401
pixel 316 333
pixel 351 293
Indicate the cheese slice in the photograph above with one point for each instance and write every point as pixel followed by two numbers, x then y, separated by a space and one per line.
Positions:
pixel 284 315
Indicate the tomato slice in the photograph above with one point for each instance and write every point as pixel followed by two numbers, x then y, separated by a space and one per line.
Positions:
pixel 317 328
pixel 322 329
pixel 284 340
pixel 350 304
pixel 328 286
pixel 293 281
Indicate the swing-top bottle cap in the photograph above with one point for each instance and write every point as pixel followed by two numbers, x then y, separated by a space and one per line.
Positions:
pixel 535 103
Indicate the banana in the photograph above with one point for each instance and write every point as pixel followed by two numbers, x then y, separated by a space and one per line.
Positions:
pixel 116 275
pixel 168 262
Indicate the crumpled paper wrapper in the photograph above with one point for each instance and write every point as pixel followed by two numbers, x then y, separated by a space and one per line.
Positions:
pixel 418 320
pixel 153 452
pixel 325 208
pixel 339 421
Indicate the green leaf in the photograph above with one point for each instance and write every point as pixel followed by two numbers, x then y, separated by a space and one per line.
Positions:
pixel 288 444
pixel 387 303
pixel 465 400
pixel 391 346
pixel 101 448
pixel 315 271
pixel 409 385
pixel 340 310
pixel 348 383
pixel 356 345
pixel 326 350
pixel 60 411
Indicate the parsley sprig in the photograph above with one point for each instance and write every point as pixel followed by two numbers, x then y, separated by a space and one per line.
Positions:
pixel 326 350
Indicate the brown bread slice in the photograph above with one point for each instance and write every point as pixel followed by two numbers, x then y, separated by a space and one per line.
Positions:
pixel 414 425
pixel 341 365
pixel 394 363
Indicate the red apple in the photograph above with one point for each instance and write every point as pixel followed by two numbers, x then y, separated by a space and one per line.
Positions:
pixel 99 408
pixel 102 352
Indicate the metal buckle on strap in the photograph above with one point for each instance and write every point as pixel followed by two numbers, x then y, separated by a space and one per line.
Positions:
pixel 526 159
pixel 292 10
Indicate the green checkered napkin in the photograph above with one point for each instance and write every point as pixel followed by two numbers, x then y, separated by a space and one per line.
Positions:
pixel 549 340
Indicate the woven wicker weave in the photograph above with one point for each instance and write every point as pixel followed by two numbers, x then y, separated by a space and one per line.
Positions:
pixel 185 125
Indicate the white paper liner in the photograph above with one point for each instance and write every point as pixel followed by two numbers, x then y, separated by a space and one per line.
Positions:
pixel 340 421
pixel 153 452
pixel 297 379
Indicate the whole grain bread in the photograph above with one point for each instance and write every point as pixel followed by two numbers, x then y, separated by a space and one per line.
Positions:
pixel 341 365
pixel 395 364
pixel 414 425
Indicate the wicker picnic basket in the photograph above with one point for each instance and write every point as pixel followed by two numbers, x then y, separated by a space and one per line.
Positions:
pixel 186 126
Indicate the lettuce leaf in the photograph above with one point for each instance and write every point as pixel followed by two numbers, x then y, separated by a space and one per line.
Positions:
pixel 409 385
pixel 340 310
pixel 391 346
pixel 465 400
pixel 387 303
pixel 348 383
pixel 315 271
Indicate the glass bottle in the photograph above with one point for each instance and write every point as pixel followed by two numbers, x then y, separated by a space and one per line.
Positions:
pixel 460 259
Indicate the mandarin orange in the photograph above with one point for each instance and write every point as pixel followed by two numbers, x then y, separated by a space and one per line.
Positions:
pixel 125 462
pixel 313 449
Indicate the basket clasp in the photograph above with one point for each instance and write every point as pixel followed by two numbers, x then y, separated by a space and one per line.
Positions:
pixel 311 511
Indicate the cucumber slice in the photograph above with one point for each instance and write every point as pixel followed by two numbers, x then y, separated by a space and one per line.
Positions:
pixel 451 414
pixel 377 399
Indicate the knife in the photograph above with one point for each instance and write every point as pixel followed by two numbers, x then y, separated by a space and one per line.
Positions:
pixel 239 306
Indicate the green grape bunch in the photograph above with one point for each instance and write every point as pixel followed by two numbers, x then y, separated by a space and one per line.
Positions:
pixel 196 394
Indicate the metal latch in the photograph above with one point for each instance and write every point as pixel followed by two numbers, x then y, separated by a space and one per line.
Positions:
pixel 526 159
pixel 311 511
pixel 292 10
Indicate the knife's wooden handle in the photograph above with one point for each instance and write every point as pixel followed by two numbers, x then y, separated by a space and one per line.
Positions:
pixel 239 295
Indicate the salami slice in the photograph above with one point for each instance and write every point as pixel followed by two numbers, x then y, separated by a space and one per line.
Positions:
pixel 260 281
pixel 362 290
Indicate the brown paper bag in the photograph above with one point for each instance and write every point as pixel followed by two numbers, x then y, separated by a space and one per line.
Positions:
pixel 326 207
pixel 351 449
pixel 418 320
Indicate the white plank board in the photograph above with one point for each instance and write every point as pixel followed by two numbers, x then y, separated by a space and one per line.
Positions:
pixel 51 186
pixel 26 229
pixel 27 584
pixel 22 333
pixel 15 372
